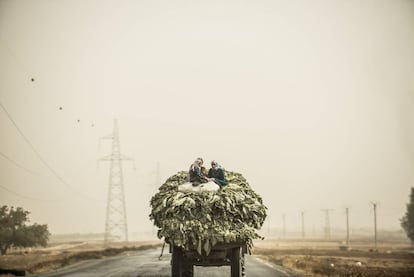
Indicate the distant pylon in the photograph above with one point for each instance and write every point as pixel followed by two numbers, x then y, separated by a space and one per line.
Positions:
pixel 303 224
pixel 327 228
pixel 116 226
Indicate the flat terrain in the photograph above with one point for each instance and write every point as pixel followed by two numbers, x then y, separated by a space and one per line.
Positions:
pixel 131 259
pixel 272 257
pixel 146 263
pixel 54 257
pixel 324 258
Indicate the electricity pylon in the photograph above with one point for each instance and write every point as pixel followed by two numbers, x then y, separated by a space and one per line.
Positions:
pixel 327 228
pixel 116 227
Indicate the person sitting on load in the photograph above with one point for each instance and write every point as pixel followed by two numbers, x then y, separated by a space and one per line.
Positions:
pixel 195 174
pixel 216 174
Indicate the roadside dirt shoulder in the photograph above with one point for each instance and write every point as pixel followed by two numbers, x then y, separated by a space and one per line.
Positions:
pixel 341 263
pixel 43 260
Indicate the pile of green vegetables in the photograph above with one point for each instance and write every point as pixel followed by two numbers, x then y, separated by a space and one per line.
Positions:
pixel 200 220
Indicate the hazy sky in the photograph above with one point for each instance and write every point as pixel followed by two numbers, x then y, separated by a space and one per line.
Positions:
pixel 313 101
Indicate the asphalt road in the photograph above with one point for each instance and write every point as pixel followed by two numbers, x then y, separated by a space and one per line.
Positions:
pixel 145 264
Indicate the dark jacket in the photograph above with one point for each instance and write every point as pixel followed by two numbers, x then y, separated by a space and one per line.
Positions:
pixel 195 175
pixel 218 175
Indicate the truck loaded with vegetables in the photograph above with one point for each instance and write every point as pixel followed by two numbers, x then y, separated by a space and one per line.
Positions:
pixel 206 226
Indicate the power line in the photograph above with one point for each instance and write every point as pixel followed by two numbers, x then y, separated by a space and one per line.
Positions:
pixel 28 197
pixel 39 156
pixel 6 46
pixel 18 164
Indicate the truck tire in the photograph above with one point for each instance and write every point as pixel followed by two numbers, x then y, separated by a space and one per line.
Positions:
pixel 236 266
pixel 176 262
pixel 243 265
pixel 187 270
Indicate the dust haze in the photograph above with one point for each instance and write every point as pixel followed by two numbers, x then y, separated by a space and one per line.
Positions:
pixel 312 101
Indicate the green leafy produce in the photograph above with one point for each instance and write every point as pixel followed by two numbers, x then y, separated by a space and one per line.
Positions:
pixel 200 220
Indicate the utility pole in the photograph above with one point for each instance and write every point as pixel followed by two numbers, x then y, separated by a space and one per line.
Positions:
pixel 374 206
pixel 284 225
pixel 116 227
pixel 347 225
pixel 327 228
pixel 303 224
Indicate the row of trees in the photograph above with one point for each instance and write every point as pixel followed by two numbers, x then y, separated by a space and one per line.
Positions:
pixel 15 231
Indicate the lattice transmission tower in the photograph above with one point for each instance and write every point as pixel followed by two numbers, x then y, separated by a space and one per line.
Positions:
pixel 327 228
pixel 116 226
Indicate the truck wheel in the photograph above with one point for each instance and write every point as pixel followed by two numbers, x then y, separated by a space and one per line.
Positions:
pixel 236 266
pixel 243 265
pixel 188 270
pixel 176 262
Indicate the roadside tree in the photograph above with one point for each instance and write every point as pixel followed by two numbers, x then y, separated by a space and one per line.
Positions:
pixel 15 232
pixel 407 221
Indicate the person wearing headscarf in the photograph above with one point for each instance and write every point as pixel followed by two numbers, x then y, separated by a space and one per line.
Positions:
pixel 216 173
pixel 195 173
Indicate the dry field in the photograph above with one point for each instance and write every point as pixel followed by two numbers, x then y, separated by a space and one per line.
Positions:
pixel 25 261
pixel 309 258
pixel 324 258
